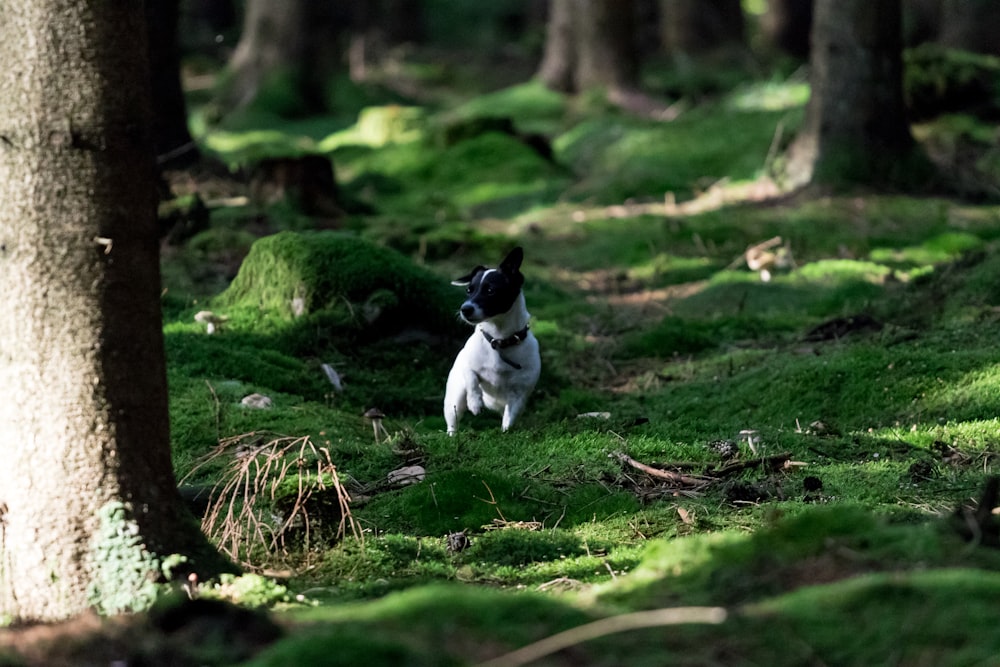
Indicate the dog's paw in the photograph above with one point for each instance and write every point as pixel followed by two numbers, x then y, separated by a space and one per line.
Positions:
pixel 475 403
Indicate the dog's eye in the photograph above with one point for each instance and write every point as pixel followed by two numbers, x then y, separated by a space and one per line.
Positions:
pixel 489 290
pixel 468 290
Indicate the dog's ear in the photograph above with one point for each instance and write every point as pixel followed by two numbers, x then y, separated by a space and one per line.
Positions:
pixel 466 279
pixel 511 264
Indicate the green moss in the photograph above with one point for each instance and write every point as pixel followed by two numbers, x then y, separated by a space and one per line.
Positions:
pixel 623 158
pixel 937 616
pixel 937 80
pixel 288 275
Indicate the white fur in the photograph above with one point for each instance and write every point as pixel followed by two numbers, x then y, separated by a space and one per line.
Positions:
pixel 481 377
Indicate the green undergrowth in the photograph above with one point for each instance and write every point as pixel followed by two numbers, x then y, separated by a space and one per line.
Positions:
pixel 857 389
pixel 850 588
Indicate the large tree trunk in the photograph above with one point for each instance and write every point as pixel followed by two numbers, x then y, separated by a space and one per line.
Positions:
pixel 88 503
pixel 855 128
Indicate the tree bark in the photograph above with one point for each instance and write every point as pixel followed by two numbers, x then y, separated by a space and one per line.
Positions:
pixel 289 48
pixel 971 25
pixel 590 44
pixel 606 56
pixel 786 25
pixel 171 136
pixel 693 27
pixel 88 502
pixel 559 58
pixel 855 128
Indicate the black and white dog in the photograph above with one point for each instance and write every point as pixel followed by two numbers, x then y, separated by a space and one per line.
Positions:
pixel 499 365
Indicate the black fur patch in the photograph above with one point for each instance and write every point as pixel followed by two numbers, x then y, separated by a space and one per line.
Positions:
pixel 493 292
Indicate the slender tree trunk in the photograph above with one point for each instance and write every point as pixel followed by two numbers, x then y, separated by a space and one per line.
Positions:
pixel 171 137
pixel 289 48
pixel 559 60
pixel 786 26
pixel 606 56
pixel 692 27
pixel 88 503
pixel 590 44
pixel 856 128
pixel 271 45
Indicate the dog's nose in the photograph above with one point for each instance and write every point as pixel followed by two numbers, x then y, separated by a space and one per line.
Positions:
pixel 468 310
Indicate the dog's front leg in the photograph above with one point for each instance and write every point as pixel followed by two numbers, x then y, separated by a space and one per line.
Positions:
pixel 473 393
pixel 511 411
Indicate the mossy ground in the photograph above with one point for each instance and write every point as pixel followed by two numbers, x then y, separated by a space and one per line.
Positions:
pixel 633 230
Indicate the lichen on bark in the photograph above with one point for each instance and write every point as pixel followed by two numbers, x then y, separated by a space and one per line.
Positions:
pixel 125 571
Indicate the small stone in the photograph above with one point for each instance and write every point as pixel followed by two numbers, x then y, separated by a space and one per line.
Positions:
pixel 407 475
pixel 257 402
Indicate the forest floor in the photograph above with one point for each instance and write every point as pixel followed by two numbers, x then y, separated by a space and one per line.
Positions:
pixel 719 466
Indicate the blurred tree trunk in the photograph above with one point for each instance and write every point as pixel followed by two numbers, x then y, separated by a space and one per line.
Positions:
pixel 558 66
pixel 377 26
pixel 590 44
pixel 694 27
pixel 971 25
pixel 786 26
pixel 88 502
pixel 921 21
pixel 286 54
pixel 855 128
pixel 171 136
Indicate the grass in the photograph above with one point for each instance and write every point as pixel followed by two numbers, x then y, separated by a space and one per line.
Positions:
pixel 645 312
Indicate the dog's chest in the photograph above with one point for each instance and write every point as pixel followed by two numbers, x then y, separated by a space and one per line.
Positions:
pixel 511 368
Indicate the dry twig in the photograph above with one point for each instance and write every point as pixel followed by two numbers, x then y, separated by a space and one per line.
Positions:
pixel 674 477
pixel 607 626
pixel 242 519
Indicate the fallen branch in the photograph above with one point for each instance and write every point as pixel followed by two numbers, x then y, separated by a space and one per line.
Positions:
pixel 772 462
pixel 675 477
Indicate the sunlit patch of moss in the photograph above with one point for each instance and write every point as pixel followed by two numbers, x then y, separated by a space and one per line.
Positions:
pixel 843 541
pixel 770 96
pixel 922 617
pixel 944 247
pixel 623 159
pixel 378 126
pixel 534 107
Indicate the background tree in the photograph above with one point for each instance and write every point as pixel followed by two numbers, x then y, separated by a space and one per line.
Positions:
pixel 287 52
pixel 786 24
pixel 693 27
pixel 171 137
pixel 590 44
pixel 971 25
pixel 855 128
pixel 88 503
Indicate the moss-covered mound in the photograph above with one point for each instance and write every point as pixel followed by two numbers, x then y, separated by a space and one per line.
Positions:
pixel 290 275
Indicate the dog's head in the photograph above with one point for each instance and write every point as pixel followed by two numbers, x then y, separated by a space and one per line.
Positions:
pixel 492 292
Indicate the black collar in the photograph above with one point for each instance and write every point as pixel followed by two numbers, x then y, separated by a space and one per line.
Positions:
pixel 510 341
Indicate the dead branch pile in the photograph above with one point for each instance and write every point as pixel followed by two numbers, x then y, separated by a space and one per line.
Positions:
pixel 277 496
